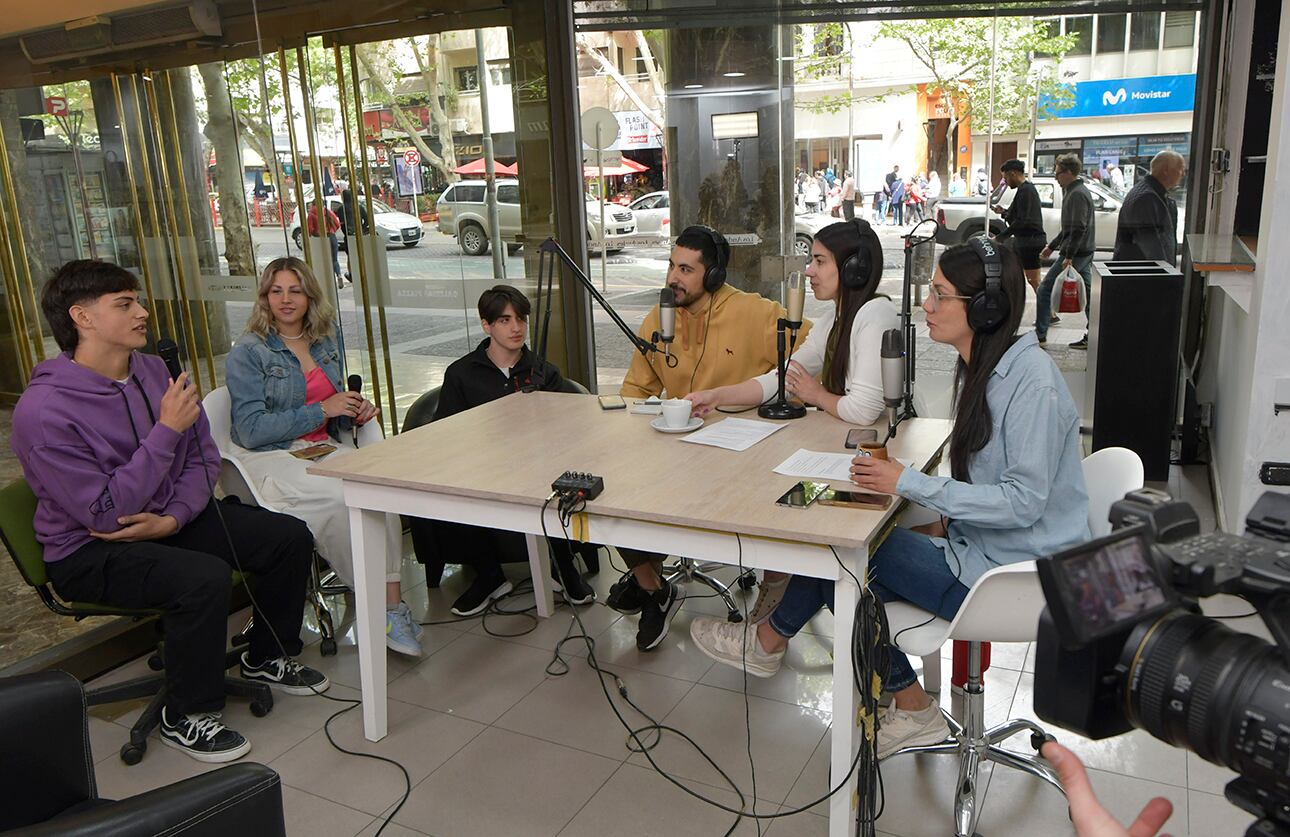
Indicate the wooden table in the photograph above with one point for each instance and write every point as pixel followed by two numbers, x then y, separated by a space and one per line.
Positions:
pixel 493 466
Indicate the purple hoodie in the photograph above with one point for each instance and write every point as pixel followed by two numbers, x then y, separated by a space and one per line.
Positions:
pixel 92 450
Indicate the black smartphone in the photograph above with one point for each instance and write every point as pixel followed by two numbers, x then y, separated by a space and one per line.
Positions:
pixel 802 495
pixel 858 436
pixel 612 402
pixel 855 499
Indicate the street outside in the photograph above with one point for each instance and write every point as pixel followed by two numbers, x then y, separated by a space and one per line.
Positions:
pixel 442 325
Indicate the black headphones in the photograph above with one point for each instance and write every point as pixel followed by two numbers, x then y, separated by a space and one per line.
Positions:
pixel 856 269
pixel 715 276
pixel 988 308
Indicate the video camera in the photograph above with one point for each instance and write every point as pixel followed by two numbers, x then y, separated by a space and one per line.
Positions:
pixel 1123 642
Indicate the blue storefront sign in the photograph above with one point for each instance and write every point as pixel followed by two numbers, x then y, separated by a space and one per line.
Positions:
pixel 1124 96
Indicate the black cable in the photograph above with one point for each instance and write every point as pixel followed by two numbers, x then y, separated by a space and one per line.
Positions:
pixel 228 536
pixel 743 667
pixel 654 726
pixel 958 573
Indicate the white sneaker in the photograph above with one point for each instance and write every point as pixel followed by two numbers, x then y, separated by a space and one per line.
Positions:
pixel 400 635
pixel 725 642
pixel 899 728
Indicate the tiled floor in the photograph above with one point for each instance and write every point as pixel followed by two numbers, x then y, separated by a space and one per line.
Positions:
pixel 495 745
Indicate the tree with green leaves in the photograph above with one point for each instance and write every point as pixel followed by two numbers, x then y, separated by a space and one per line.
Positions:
pixel 969 60
pixel 385 64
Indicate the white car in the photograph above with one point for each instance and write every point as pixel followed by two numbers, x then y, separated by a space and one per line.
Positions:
pixel 654 217
pixel 393 227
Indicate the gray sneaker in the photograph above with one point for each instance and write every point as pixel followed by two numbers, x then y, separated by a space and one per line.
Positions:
pixel 770 592
pixel 400 632
pixel 734 644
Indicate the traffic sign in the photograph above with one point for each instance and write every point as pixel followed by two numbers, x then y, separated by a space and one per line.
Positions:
pixel 56 105
pixel 412 157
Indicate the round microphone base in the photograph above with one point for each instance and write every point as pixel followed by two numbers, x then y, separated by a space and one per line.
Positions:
pixel 781 410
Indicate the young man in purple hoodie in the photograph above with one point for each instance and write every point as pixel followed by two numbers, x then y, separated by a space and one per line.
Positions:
pixel 122 463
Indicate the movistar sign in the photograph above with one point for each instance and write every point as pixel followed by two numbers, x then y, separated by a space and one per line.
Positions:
pixel 1123 96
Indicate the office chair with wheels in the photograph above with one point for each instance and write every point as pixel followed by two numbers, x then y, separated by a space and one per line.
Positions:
pixel 235 482
pixel 1003 606
pixel 50 788
pixel 17 508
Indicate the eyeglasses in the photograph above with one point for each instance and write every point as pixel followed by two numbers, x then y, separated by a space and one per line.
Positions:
pixel 936 296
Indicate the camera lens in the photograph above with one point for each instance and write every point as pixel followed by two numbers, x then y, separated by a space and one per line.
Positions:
pixel 1195 683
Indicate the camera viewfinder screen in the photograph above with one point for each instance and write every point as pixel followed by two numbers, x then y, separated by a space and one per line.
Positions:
pixel 1110 587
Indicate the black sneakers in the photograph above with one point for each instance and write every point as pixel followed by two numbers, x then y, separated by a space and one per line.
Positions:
pixel 286 675
pixel 1081 343
pixel 656 615
pixel 626 595
pixel 575 591
pixel 481 593
pixel 203 737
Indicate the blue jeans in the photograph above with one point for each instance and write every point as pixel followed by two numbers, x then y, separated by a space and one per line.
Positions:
pixel 1044 305
pixel 908 567
pixel 335 254
pixel 880 210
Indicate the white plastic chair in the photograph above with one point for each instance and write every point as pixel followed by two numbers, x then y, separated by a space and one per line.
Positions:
pixel 1003 606
pixel 235 481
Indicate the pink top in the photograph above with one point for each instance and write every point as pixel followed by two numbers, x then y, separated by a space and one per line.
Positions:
pixel 317 388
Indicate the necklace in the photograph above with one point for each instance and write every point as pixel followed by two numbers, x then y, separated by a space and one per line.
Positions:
pixel 292 336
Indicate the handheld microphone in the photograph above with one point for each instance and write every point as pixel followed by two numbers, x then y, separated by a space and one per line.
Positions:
pixel 169 352
pixel 355 385
pixel 892 357
pixel 667 319
pixel 795 300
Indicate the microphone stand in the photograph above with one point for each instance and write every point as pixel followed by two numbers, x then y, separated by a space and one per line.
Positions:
pixel 548 252
pixel 780 408
pixel 912 239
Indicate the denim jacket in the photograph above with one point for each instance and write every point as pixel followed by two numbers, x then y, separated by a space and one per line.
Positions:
pixel 1026 499
pixel 267 387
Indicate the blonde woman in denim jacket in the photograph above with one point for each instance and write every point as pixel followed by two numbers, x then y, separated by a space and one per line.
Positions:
pixel 285 381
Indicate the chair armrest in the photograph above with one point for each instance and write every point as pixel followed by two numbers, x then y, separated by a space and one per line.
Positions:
pixel 238 799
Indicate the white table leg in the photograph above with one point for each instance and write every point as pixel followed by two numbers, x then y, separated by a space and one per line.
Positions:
pixel 367 536
pixel 540 567
pixel 846 735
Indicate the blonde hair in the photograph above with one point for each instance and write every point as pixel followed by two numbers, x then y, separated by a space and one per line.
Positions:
pixel 318 319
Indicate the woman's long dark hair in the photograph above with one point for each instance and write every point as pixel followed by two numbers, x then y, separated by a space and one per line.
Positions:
pixel 973 422
pixel 843 240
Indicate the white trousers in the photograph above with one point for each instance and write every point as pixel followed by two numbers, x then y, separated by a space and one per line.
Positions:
pixel 282 483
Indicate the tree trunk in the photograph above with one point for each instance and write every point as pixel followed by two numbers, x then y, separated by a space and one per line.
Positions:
pixel 429 66
pixel 221 130
pixel 652 114
pixel 405 123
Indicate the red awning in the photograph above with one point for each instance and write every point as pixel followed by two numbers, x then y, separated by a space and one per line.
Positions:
pixel 477 167
pixel 625 166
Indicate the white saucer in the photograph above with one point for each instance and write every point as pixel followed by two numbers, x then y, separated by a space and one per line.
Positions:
pixel 695 424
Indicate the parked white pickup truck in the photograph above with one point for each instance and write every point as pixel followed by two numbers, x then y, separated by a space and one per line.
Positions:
pixel 962 218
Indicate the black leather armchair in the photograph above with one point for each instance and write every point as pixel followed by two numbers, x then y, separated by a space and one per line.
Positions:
pixel 49 786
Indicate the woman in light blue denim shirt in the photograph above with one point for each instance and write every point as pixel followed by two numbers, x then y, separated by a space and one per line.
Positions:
pixel 1016 492
pixel 288 337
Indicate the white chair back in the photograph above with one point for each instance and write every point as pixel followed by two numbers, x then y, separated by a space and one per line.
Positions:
pixel 1109 474
pixel 233 479
pixel 1005 603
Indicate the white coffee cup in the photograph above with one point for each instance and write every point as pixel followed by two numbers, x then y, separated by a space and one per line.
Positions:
pixel 676 412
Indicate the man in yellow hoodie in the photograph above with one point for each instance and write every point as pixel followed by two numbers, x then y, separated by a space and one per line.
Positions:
pixel 723 336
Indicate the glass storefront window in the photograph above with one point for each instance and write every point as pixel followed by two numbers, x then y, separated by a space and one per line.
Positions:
pixel 1180 29
pixel 1144 30
pixel 1082 28
pixel 1110 33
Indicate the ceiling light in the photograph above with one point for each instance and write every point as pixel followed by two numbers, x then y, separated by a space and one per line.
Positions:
pixel 693 86
pixel 734 75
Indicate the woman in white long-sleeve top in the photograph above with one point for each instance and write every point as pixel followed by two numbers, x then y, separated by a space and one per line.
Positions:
pixel 838 369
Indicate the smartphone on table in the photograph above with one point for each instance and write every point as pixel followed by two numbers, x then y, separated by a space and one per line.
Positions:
pixel 858 436
pixel 855 499
pixel 612 402
pixel 802 495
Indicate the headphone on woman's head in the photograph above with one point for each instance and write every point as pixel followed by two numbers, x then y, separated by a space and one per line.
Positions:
pixel 989 307
pixel 715 276
pixel 855 271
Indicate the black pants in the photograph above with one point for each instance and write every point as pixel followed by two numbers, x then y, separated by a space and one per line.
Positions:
pixel 849 210
pixel 188 577
pixel 479 547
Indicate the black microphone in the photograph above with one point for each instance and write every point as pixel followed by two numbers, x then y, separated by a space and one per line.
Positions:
pixel 667 319
pixel 892 357
pixel 169 352
pixel 355 385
